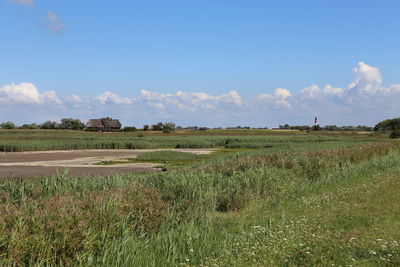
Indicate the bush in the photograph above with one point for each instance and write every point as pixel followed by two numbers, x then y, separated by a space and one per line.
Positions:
pixel 129 129
pixel 71 124
pixel 388 125
pixel 395 134
pixel 50 125
pixel 30 126
pixel 7 125
pixel 316 128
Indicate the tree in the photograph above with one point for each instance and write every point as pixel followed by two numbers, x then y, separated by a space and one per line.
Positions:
pixel 7 125
pixel 157 127
pixel 395 134
pixel 170 126
pixel 388 125
pixel 129 129
pixel 50 125
pixel 146 127
pixel 30 126
pixel 71 124
pixel 316 128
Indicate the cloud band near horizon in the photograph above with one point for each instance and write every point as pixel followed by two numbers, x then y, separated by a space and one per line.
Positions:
pixel 364 101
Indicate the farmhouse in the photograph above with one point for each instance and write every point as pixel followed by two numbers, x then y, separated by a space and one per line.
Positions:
pixel 104 124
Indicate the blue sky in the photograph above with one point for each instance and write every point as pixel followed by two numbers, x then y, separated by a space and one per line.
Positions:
pixel 91 58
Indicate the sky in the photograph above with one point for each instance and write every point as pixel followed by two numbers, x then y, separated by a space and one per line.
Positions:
pixel 207 63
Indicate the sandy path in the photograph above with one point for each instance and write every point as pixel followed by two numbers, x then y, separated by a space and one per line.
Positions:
pixel 78 162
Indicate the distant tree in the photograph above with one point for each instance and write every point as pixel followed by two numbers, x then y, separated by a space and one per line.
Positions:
pixel 395 134
pixel 129 129
pixel 71 124
pixel 30 126
pixel 300 127
pixel 388 125
pixel 157 127
pixel 146 127
pixel 316 128
pixel 7 125
pixel 330 128
pixel 286 126
pixel 50 125
pixel 170 126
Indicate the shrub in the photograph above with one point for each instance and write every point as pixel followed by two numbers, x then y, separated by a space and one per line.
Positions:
pixel 395 134
pixel 129 129
pixel 388 125
pixel 50 125
pixel 30 126
pixel 71 124
pixel 7 125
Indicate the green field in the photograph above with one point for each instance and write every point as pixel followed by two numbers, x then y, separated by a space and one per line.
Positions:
pixel 263 199
pixel 33 140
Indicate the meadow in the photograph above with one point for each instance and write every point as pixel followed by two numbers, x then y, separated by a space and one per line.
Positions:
pixel 265 199
pixel 34 140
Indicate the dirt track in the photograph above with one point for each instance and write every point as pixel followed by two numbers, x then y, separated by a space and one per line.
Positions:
pixel 78 162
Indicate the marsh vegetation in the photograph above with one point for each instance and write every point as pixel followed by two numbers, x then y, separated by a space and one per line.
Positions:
pixel 296 200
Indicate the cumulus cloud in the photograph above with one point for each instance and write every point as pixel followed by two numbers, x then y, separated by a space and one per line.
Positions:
pixel 191 101
pixel 26 93
pixel 23 2
pixel 364 101
pixel 109 97
pixel 314 92
pixel 74 99
pixel 53 23
pixel 368 79
pixel 281 98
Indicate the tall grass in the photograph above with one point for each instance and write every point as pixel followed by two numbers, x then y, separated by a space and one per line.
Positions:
pixel 15 141
pixel 163 218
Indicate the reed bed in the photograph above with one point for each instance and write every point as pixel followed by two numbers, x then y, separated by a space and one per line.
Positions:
pixel 167 218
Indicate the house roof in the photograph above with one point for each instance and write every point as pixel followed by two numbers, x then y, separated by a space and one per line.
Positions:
pixel 104 122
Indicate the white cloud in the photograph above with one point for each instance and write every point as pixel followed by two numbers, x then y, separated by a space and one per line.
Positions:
pixel 368 79
pixel 109 97
pixel 364 101
pixel 74 99
pixel 282 93
pixel 23 2
pixel 314 92
pixel 53 23
pixel 26 93
pixel 156 105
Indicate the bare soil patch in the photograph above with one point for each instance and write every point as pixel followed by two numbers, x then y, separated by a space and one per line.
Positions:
pixel 78 162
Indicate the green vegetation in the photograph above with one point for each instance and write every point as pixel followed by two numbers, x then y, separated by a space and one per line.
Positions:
pixel 165 157
pixel 388 125
pixel 308 200
pixel 395 134
pixel 169 157
pixel 7 125
pixel 33 140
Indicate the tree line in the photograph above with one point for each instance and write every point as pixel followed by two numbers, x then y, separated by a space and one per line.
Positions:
pixel 76 124
pixel 64 124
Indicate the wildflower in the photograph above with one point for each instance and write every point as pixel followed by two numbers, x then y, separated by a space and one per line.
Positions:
pixel 372 252
pixel 191 250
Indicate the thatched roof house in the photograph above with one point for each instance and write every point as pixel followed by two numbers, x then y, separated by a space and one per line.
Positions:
pixel 104 124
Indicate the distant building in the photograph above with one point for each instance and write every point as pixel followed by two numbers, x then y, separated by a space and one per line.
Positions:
pixel 104 124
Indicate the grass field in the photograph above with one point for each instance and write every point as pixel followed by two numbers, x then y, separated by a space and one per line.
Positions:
pixel 282 200
pixel 33 140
